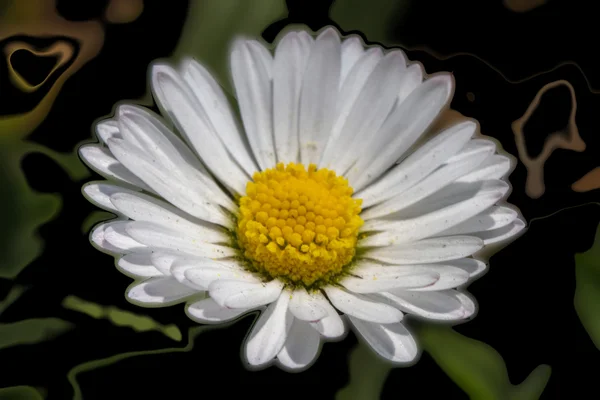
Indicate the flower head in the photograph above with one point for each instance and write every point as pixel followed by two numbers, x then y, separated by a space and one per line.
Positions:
pixel 327 207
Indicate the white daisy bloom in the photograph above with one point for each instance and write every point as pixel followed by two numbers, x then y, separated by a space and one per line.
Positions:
pixel 327 209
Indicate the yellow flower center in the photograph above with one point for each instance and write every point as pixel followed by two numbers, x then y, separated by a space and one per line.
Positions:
pixel 299 225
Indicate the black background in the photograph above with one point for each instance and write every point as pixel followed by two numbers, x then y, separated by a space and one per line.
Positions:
pixel 526 300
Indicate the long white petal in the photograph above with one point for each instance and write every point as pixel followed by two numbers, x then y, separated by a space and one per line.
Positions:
pixel 349 93
pixel 495 167
pixel 102 161
pixel 116 234
pixel 428 224
pixel 192 121
pixel 211 97
pixel 306 306
pixel 319 96
pixel 494 218
pixel 291 57
pixel 368 277
pixel 402 129
pixel 107 129
pixel 362 307
pixel 270 332
pixel 437 180
pixel 332 326
pixel 162 291
pixel 138 265
pixel 244 294
pixel 251 77
pixel 301 346
pixel 393 341
pixel 203 276
pixel 447 305
pixel 502 234
pixel 437 249
pixel 141 207
pixel 419 164
pixel 373 104
pixel 99 194
pixel 207 311
pixel 351 51
pixel 160 237
pixel 189 195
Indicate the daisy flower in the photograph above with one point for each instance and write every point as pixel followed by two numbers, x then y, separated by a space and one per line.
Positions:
pixel 331 205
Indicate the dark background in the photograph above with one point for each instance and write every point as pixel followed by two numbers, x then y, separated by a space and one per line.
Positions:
pixel 526 300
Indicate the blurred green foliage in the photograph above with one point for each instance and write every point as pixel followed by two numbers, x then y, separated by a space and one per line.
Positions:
pixel 477 368
pixel 368 373
pixel 212 24
pixel 140 323
pixel 20 393
pixel 587 292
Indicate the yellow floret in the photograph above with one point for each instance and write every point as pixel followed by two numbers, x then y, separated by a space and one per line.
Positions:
pixel 299 224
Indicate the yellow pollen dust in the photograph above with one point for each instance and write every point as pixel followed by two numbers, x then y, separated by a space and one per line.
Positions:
pixel 297 224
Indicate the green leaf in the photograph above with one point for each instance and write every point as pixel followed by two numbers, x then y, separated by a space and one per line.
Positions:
pixel 374 18
pixel 30 331
pixel 477 368
pixel 139 323
pixel 212 24
pixel 367 375
pixel 587 291
pixel 20 393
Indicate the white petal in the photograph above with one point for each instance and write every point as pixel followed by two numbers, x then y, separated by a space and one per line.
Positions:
pixel 430 223
pixel 418 165
pixel 393 342
pixel 413 77
pixel 244 294
pixel 102 161
pixel 373 104
pixel 369 277
pixel 349 93
pixel 307 306
pixel 301 346
pixel 107 129
pixel 192 121
pixel 471 266
pixel 207 311
pixel 494 218
pixel 319 96
pixel 160 237
pixel 448 305
pixel 159 292
pixel 362 307
pixel 138 265
pixel 211 97
pixel 99 194
pixel 332 326
pixel 269 333
pixel 434 182
pixel 115 233
pixel 291 57
pixel 402 128
pixel 427 250
pixel 203 276
pixel 163 260
pixel 141 207
pixel 495 167
pixel 502 234
pixel 146 130
pixel 190 195
pixel 251 77
pixel 450 276
pixel 351 51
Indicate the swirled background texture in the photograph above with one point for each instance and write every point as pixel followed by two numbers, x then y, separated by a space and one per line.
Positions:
pixel 526 69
